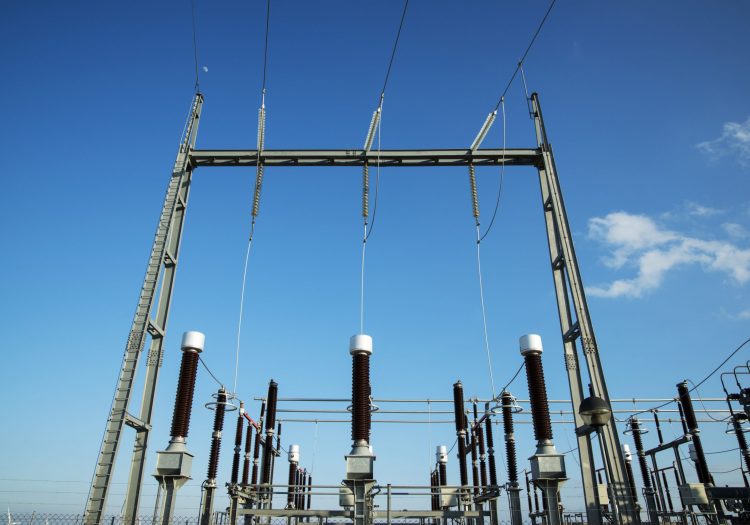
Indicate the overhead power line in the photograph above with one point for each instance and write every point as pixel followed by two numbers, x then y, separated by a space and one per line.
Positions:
pixel 525 54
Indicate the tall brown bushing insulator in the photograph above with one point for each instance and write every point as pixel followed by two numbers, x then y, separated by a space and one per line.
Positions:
pixel 303 484
pixel 510 439
pixel 741 441
pixel 292 483
pixel 213 456
pixel 268 450
pixel 474 462
pixel 628 457
pixel 441 456
pixel 490 451
pixel 433 486
pixel 256 459
pixel 248 454
pixel 237 444
pixel 635 427
pixel 701 466
pixel 458 408
pixel 192 346
pixel 482 457
pixel 308 505
pixel 537 394
pixel 361 417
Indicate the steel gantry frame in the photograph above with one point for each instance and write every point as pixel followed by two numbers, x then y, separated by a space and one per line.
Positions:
pixel 575 321
pixel 147 322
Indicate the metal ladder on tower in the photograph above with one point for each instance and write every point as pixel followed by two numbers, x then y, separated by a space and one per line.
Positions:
pixel 142 324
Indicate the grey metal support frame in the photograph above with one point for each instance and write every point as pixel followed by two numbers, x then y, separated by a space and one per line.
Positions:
pixel 160 274
pixel 565 264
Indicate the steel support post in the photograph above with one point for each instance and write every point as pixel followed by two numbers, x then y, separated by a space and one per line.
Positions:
pixel 565 264
pixel 160 273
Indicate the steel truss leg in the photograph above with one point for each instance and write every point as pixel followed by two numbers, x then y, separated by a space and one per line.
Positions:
pixel 568 285
pixel 160 273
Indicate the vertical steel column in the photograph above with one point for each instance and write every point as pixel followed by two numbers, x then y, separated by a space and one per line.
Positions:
pixel 565 265
pixel 160 273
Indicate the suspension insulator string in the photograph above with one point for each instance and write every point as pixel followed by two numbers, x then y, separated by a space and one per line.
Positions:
pixel 475 213
pixel 502 177
pixel 474 195
pixel 366 191
pixel 255 211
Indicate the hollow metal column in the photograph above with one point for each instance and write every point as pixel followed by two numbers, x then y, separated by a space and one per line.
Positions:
pixel 160 274
pixel 568 284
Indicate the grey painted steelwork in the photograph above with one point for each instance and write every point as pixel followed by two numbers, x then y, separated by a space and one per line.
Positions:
pixel 344 157
pixel 568 284
pixel 160 273
pixel 163 261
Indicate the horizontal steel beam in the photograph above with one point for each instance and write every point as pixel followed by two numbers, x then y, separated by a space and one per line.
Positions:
pixel 353 157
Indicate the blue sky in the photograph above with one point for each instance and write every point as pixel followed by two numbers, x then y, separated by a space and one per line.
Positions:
pixel 646 108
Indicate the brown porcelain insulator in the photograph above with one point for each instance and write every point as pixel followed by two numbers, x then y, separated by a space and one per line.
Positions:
pixel 273 391
pixel 482 457
pixel 309 492
pixel 213 456
pixel 361 417
pixel 510 440
pixel 687 406
pixel 248 455
pixel 183 402
pixel 538 397
pixel 292 482
pixel 490 451
pixel 237 446
pixel 256 458
pixel 635 427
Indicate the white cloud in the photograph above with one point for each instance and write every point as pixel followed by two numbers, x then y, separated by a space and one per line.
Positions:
pixel 744 314
pixel 734 230
pixel 734 140
pixel 638 241
pixel 698 210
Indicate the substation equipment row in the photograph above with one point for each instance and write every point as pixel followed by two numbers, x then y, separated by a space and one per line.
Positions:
pixel 252 495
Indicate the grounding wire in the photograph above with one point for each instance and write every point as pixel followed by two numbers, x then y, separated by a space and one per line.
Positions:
pixel 393 53
pixel 730 356
pixel 528 48
pixel 379 110
pixel 484 312
pixel 256 198
pixel 700 399
pixel 195 46
pixel 514 376
pixel 723 451
pixel 265 46
pixel 209 371
pixel 502 178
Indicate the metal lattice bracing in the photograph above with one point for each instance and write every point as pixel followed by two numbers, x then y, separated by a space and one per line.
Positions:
pixel 160 273
pixel 568 284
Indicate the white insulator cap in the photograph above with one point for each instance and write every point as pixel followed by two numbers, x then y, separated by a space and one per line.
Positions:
pixel 360 344
pixel 530 344
pixel 626 452
pixel 193 341
pixel 441 454
pixel 293 453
